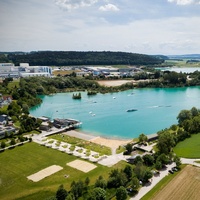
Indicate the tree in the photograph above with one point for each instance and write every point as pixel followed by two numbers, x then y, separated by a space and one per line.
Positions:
pixel 100 182
pixel 177 160
pixel 148 160
pixel 3 144
pixel 128 148
pixel 61 193
pixel 98 194
pixel 77 188
pixel 142 138
pixel 135 183
pixel 12 141
pixel 165 142
pixel 194 111
pixel 140 170
pixel 138 159
pixel 158 164
pixel 117 178
pixel 183 115
pixel 163 159
pixel 87 181
pixel 148 175
pixel 70 197
pixel 128 170
pixel 121 193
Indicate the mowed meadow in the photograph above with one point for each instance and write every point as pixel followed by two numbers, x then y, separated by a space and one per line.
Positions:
pixel 22 161
pixel 189 148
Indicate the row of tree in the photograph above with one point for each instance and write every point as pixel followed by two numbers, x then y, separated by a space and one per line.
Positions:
pixel 66 58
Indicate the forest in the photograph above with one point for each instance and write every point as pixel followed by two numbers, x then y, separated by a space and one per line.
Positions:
pixel 66 58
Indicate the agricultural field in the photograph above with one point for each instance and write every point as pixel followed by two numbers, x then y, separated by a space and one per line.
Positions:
pixel 182 63
pixel 189 148
pixel 184 186
pixel 19 163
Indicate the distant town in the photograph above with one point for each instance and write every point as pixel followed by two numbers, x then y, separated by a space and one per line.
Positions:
pixel 9 70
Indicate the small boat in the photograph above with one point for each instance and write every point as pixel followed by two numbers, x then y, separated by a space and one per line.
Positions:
pixel 131 110
pixel 114 97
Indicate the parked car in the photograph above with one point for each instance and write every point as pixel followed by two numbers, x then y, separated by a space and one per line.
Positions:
pixel 170 171
pixel 174 169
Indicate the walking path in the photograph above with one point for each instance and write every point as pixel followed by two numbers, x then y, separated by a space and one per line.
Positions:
pixel 190 161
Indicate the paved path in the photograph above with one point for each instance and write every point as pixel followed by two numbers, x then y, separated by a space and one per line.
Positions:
pixel 190 161
pixel 79 135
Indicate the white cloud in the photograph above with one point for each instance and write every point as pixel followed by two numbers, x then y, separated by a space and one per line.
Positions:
pixel 74 4
pixel 109 7
pixel 184 2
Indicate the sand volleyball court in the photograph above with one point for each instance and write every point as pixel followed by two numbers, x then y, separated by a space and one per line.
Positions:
pixel 44 173
pixel 82 165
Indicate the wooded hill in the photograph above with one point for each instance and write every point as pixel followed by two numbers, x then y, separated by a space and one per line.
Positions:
pixel 66 58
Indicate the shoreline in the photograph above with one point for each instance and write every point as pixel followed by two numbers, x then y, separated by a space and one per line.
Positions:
pixel 109 142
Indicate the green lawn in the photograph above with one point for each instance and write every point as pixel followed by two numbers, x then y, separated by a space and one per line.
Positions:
pixel 18 163
pixel 189 148
pixel 13 84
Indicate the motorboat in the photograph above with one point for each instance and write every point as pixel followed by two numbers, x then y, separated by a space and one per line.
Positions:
pixel 131 110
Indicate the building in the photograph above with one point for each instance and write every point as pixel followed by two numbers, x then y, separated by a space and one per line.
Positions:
pixel 6 131
pixel 3 119
pixel 8 70
pixel 24 70
pixel 62 123
pixel 132 158
pixel 29 71
pixel 5 100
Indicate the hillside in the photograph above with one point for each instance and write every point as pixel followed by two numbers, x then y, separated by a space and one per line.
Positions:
pixel 64 58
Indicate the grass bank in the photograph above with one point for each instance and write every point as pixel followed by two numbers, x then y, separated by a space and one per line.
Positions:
pixel 189 148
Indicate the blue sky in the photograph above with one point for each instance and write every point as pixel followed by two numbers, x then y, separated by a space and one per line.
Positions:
pixel 140 26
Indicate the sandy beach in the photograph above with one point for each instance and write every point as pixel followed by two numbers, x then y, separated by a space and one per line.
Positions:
pixel 112 143
pixel 114 82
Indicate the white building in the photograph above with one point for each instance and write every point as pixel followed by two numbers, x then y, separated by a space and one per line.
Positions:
pixel 24 70
pixel 27 71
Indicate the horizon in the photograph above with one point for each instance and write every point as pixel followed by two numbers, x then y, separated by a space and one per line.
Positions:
pixel 190 54
pixel 164 27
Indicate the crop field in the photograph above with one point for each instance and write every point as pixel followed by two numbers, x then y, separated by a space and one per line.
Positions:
pixel 189 148
pixel 19 163
pixel 184 186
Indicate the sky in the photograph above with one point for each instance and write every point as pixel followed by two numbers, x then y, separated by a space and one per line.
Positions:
pixel 166 27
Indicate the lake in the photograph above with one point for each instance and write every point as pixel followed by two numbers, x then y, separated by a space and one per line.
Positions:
pixel 106 114
pixel 180 69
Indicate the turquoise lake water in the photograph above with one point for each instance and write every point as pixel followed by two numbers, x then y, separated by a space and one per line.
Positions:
pixel 106 114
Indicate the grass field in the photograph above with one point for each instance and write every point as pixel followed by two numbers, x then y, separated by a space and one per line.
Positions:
pixel 184 186
pixel 189 148
pixel 20 162
pixel 13 84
